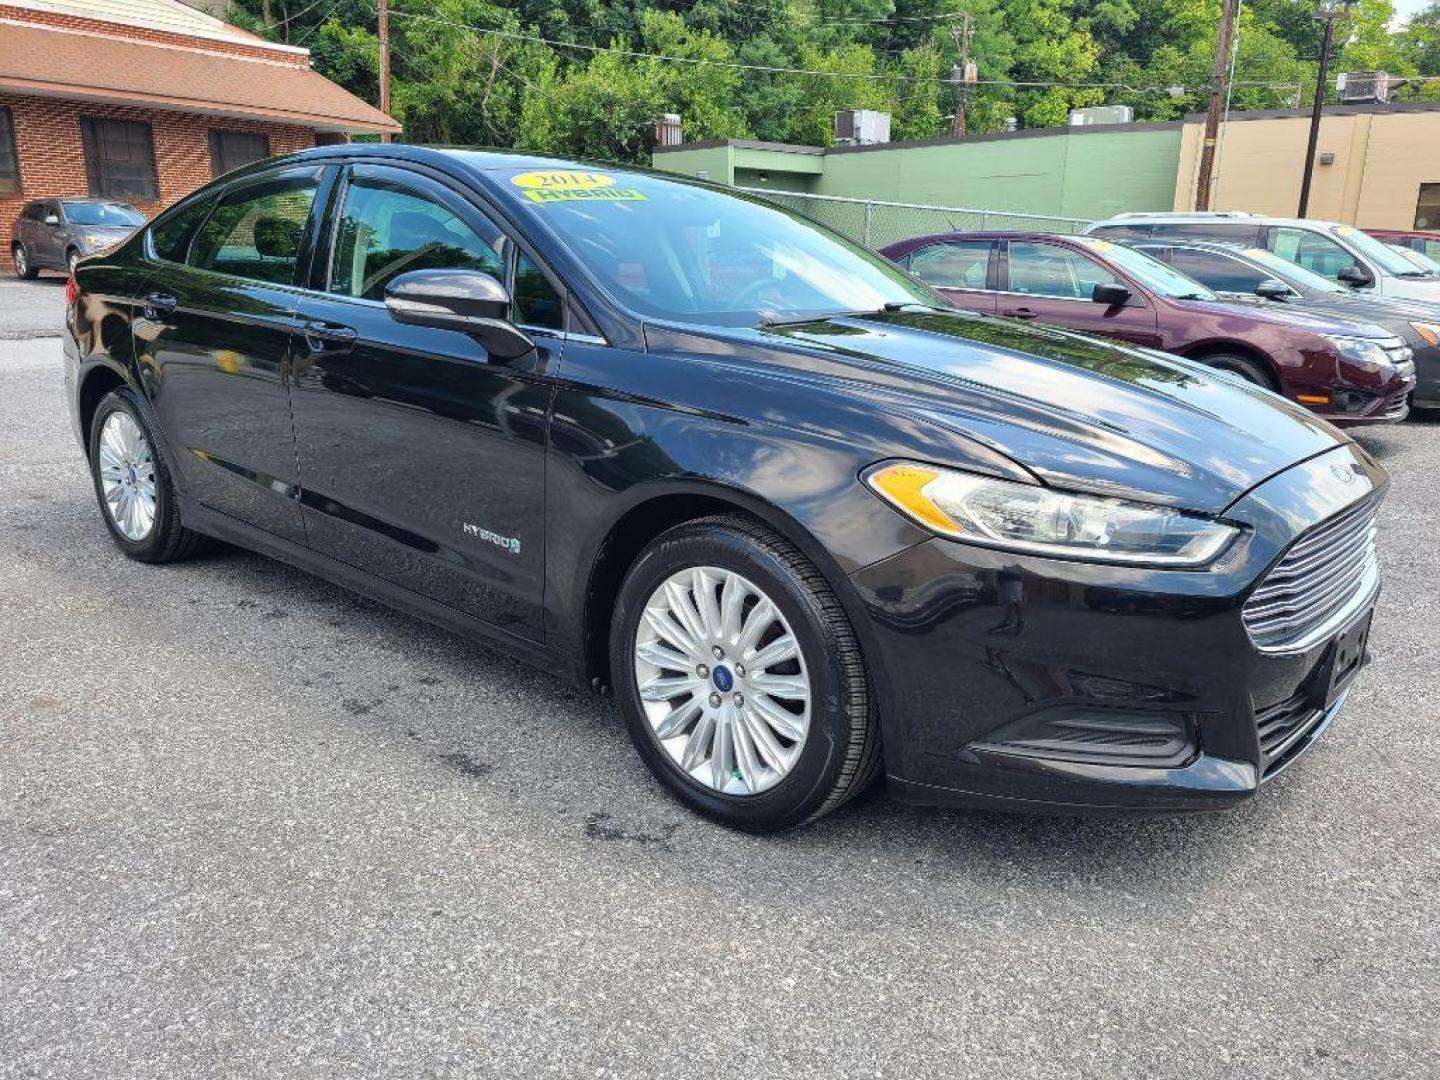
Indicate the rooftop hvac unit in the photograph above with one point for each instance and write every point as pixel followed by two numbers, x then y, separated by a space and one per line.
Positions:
pixel 667 130
pixel 1363 87
pixel 1102 114
pixel 862 127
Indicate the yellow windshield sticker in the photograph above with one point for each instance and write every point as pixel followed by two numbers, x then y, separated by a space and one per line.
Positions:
pixel 562 180
pixel 609 194
pixel 1101 245
pixel 1344 230
pixel 1254 252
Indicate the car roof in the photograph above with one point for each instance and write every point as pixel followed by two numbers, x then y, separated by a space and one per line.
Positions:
pixel 1221 217
pixel 988 234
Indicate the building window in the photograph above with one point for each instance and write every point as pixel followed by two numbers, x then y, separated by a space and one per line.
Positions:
pixel 119 158
pixel 232 149
pixel 9 159
pixel 1427 207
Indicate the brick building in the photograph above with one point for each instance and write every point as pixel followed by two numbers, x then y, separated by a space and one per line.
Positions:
pixel 145 100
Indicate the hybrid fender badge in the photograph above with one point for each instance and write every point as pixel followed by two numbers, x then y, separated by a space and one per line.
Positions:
pixel 1343 473
pixel 509 543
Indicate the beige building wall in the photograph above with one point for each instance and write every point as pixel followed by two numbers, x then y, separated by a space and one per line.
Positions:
pixel 1381 159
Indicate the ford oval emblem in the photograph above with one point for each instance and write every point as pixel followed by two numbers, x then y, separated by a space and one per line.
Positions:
pixel 1343 473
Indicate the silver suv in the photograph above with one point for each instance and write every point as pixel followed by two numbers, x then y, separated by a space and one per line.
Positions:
pixel 1342 253
pixel 55 234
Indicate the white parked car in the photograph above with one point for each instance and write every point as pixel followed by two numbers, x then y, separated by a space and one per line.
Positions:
pixel 1341 252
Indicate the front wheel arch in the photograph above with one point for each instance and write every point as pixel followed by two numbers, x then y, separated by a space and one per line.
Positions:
pixel 1210 351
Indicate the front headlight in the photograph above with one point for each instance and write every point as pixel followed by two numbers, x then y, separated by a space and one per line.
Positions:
pixel 1025 517
pixel 1428 330
pixel 1368 352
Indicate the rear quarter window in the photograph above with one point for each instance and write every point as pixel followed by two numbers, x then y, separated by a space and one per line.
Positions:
pixel 170 236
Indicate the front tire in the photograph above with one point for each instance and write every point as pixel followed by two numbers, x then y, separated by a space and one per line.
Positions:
pixel 25 270
pixel 137 498
pixel 1252 371
pixel 740 677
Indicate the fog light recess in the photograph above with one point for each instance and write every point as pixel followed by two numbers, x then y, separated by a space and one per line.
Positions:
pixel 1096 736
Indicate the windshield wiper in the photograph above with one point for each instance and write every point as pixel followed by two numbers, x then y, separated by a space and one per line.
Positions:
pixel 821 316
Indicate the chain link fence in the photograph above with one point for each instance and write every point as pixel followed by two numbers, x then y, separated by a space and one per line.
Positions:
pixel 875 223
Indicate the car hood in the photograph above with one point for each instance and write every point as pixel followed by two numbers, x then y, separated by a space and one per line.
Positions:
pixel 1394 316
pixel 1304 318
pixel 1427 289
pixel 1074 411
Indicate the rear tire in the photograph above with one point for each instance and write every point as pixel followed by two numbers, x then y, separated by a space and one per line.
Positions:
pixel 25 270
pixel 806 741
pixel 1252 371
pixel 136 496
pixel 72 260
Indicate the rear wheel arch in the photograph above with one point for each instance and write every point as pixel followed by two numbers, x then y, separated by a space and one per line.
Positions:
pixel 98 382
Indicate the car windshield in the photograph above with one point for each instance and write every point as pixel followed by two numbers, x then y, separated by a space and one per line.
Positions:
pixel 116 215
pixel 1289 272
pixel 1421 260
pixel 1152 273
pixel 694 254
pixel 1381 254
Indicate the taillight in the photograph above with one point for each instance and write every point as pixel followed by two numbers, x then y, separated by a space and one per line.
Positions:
pixel 72 291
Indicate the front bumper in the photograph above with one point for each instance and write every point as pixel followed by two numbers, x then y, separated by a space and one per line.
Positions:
pixel 975 644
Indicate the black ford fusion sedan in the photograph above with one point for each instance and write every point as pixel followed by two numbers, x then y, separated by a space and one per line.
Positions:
pixel 807 523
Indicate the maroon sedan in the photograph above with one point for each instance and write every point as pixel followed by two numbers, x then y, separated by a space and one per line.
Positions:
pixel 1348 372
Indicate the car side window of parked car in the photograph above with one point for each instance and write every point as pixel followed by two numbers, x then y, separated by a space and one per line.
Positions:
pixel 959 265
pixel 386 230
pixel 1216 271
pixel 256 231
pixel 1042 270
pixel 1310 250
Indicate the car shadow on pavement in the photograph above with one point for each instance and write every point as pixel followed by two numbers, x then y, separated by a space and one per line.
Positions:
pixel 631 806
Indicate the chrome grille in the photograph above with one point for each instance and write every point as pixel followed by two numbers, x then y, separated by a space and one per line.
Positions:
pixel 1328 575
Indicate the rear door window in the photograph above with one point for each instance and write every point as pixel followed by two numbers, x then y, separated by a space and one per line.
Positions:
pixel 961 264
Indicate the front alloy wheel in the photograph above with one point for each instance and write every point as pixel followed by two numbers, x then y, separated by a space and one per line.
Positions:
pixel 722 680
pixel 741 678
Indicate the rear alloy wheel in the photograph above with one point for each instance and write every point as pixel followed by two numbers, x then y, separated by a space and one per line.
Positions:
pixel 1252 371
pixel 132 484
pixel 740 677
pixel 24 268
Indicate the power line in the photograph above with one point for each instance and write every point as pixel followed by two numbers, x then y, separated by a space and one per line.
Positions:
pixel 779 70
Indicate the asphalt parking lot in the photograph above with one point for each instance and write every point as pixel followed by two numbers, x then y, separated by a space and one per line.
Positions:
pixel 254 826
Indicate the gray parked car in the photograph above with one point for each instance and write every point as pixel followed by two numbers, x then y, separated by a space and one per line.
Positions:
pixel 55 234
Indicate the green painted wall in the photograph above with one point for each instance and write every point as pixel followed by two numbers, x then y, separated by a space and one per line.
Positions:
pixel 1091 174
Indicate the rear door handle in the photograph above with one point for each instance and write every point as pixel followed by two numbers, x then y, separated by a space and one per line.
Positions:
pixel 1020 313
pixel 157 304
pixel 322 336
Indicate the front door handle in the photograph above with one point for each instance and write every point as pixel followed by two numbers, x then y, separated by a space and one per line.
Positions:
pixel 1020 313
pixel 322 336
pixel 157 304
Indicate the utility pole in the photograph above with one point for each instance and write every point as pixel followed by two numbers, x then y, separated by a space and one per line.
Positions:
pixel 1219 75
pixel 383 11
pixel 1329 14
pixel 963 75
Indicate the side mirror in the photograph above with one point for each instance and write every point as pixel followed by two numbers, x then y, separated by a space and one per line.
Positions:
pixel 52 219
pixel 1273 289
pixel 468 301
pixel 1354 276
pixel 1110 293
